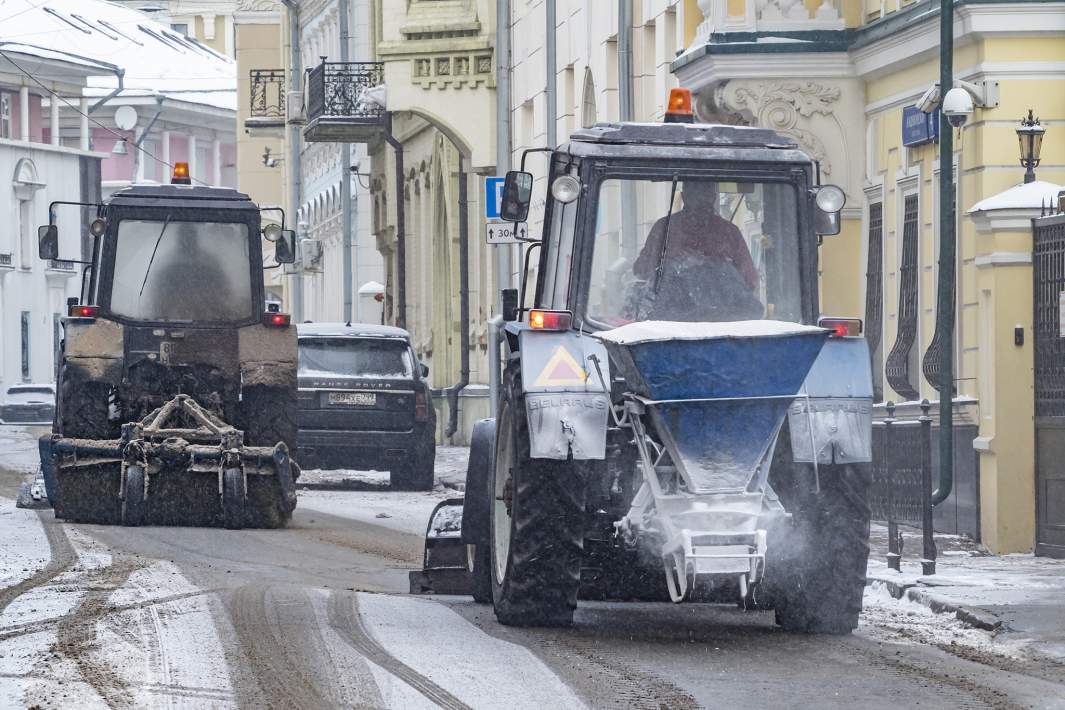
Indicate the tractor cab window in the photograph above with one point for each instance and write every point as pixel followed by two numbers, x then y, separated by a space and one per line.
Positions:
pixel 168 270
pixel 721 251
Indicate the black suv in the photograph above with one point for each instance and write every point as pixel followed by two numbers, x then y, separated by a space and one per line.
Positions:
pixel 364 403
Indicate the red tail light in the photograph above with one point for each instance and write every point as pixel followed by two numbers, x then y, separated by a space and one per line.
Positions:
pixel 842 327
pixel 277 320
pixel 421 406
pixel 550 320
pixel 77 311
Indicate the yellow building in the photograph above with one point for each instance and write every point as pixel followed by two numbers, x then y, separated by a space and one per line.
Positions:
pixel 842 77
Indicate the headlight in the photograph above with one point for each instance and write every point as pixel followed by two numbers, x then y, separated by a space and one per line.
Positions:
pixel 272 232
pixel 830 198
pixel 97 227
pixel 566 189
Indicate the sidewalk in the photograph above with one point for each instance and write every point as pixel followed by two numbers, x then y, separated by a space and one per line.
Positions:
pixel 1018 598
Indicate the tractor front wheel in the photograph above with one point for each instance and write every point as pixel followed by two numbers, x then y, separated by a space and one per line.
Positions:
pixel 817 560
pixel 536 528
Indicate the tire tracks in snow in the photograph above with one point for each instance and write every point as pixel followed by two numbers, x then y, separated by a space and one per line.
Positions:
pixel 345 620
pixel 76 633
pixel 281 640
pixel 62 557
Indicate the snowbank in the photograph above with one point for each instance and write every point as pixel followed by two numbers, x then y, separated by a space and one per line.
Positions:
pixel 656 330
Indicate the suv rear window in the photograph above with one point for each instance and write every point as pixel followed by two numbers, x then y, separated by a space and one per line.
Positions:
pixel 355 357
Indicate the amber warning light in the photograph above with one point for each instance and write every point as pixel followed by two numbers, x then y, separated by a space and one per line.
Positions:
pixel 550 320
pixel 679 107
pixel 181 175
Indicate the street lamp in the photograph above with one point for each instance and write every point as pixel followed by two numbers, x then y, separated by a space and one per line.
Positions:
pixel 1030 136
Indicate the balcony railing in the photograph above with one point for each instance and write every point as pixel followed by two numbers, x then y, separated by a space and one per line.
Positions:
pixel 336 106
pixel 6 260
pixel 335 89
pixel 268 93
pixel 61 265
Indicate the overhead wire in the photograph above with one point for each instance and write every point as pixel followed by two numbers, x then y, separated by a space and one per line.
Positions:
pixel 107 128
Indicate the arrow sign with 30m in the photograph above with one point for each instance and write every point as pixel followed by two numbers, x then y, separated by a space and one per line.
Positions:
pixel 505 232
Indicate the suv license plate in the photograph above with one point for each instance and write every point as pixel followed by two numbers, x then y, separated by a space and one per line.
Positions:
pixel 359 399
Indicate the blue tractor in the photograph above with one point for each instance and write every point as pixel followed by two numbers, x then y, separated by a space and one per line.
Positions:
pixel 675 418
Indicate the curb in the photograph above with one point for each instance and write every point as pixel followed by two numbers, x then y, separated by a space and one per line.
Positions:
pixel 911 591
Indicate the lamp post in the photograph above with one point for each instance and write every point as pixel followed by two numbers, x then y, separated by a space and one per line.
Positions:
pixel 1030 137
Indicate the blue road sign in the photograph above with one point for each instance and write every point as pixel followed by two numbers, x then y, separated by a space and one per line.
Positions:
pixel 493 196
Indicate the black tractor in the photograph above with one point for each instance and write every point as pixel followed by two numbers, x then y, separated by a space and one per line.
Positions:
pixel 176 384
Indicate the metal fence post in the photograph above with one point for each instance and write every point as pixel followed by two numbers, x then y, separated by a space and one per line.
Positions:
pixel 928 560
pixel 894 556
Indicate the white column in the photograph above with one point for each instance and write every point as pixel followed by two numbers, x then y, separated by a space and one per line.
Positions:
pixel 229 41
pixel 84 130
pixel 24 112
pixel 138 158
pixel 216 160
pixel 194 168
pixel 165 150
pixel 54 101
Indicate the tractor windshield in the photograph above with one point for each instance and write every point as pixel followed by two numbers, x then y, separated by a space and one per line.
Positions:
pixel 169 270
pixel 695 250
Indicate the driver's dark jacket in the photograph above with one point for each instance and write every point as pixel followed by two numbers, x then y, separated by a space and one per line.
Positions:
pixel 696 234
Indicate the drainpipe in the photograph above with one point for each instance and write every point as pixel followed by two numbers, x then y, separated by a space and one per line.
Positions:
pixel 625 110
pixel 295 75
pixel 345 179
pixel 121 74
pixel 464 301
pixel 504 254
pixel 947 257
pixel 552 75
pixel 401 226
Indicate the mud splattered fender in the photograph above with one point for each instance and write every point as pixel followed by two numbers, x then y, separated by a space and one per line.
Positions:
pixel 267 356
pixel 94 349
pixel 566 405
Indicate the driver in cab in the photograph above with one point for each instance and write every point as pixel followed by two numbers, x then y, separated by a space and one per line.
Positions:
pixel 696 265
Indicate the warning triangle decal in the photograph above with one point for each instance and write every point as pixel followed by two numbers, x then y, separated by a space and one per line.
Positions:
pixel 561 370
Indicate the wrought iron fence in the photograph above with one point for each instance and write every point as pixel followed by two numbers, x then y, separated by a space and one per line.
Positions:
pixel 267 93
pixel 902 482
pixel 335 89
pixel 1049 278
pixel 898 361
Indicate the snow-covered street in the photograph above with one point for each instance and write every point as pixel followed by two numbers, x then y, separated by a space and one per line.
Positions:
pixel 317 616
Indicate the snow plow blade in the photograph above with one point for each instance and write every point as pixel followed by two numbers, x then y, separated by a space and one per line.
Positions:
pixel 180 465
pixel 445 567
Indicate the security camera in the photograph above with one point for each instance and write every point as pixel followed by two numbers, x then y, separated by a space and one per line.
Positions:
pixel 957 107
pixel 928 102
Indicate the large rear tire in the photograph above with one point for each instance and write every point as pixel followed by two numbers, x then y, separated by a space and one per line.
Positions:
pixel 817 562
pixel 536 527
pixel 480 561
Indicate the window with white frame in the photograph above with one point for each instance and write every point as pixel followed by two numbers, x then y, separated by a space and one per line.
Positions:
pixel 6 103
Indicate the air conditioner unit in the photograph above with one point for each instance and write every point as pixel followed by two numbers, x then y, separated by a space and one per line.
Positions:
pixel 311 254
pixel 294 108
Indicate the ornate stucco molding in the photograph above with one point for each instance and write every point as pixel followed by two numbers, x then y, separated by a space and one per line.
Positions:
pixel 780 105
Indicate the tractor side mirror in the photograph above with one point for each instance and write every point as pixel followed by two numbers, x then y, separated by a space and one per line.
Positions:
pixel 517 195
pixel 826 223
pixel 48 241
pixel 285 247
pixel 424 369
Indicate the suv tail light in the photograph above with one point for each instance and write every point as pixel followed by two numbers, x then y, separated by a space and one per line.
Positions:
pixel 276 320
pixel 81 311
pixel 550 320
pixel 421 406
pixel 842 327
